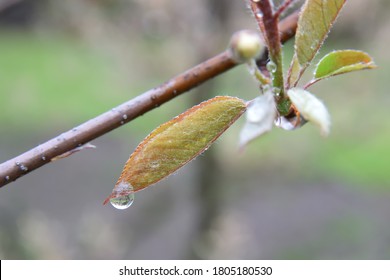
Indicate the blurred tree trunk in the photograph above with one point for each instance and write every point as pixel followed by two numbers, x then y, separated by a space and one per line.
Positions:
pixel 210 190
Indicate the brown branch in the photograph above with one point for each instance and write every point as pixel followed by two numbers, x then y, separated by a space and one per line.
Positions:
pixel 100 125
pixel 283 7
pixel 268 23
pixel 287 29
pixel 288 26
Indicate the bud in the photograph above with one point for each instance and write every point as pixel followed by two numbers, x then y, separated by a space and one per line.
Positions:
pixel 246 45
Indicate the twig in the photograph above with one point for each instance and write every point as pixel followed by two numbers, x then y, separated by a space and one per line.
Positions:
pixel 283 7
pixel 287 29
pixel 86 132
pixel 288 26
pixel 100 125
pixel 268 23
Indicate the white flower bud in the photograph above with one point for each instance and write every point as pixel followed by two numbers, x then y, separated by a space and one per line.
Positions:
pixel 311 108
pixel 246 45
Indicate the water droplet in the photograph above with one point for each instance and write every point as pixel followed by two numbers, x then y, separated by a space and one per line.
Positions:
pixel 276 91
pixel 21 166
pixel 7 178
pixel 124 117
pixel 271 67
pixel 124 196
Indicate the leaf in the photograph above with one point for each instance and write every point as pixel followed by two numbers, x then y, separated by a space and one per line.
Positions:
pixel 176 142
pixel 315 21
pixel 311 108
pixel 343 61
pixel 260 117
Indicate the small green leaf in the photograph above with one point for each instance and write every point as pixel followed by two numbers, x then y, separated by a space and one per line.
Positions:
pixel 175 143
pixel 315 21
pixel 340 62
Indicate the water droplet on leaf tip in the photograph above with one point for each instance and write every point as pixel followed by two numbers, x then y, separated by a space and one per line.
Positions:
pixel 122 202
pixel 125 196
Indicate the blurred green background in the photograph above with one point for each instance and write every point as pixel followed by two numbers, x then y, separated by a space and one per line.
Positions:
pixel 289 195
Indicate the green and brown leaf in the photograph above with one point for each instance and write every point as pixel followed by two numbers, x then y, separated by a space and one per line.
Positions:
pixel 315 21
pixel 178 141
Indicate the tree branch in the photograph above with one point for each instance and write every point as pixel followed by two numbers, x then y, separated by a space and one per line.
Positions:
pixel 287 29
pixel 124 113
pixel 268 23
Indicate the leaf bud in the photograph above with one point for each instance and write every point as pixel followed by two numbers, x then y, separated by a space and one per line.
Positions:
pixel 246 45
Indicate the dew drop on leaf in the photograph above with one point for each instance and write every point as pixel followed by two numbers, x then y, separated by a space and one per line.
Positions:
pixel 123 196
